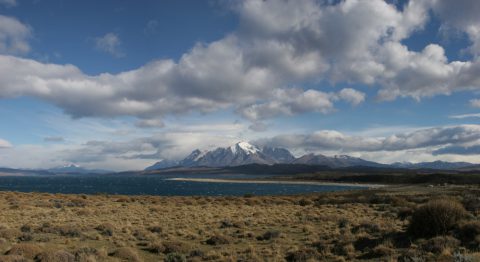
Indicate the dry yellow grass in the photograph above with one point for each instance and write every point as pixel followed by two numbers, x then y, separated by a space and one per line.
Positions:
pixel 332 226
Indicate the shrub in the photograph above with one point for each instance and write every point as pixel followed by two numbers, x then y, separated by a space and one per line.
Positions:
pixel 126 253
pixel 302 255
pixel 155 229
pixel 269 235
pixel 26 250
pixel 218 240
pixel 57 256
pixel 404 213
pixel 156 248
pixel 175 247
pixel 305 202
pixel 468 231
pixel 69 231
pixel 175 257
pixel 436 217
pixel 105 229
pixel 438 244
pixel 9 233
pixel 382 251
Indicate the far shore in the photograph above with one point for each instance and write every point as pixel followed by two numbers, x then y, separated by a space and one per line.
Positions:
pixel 252 181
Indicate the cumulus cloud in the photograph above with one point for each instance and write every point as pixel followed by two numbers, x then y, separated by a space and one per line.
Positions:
pixel 109 43
pixel 462 135
pixel 461 15
pixel 259 69
pixel 4 144
pixel 14 36
pixel 296 101
pixel 352 96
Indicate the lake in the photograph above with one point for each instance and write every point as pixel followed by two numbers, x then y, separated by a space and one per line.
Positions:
pixel 159 185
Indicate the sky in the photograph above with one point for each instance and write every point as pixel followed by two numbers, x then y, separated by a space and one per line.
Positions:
pixel 119 85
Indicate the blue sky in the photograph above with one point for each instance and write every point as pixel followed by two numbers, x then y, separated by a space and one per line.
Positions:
pixel 122 84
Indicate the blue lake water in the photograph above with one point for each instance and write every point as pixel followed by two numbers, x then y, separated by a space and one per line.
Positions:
pixel 155 185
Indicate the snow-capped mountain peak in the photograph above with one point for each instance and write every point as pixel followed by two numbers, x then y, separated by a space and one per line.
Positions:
pixel 245 147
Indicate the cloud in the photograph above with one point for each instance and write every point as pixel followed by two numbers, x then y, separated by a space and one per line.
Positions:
pixel 54 139
pixel 279 48
pixel 4 144
pixel 352 96
pixel 149 123
pixel 461 15
pixel 475 103
pixel 109 43
pixel 465 116
pixel 423 138
pixel 14 36
pixel 8 3
pixel 289 102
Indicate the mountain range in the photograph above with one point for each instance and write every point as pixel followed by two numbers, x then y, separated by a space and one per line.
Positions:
pixel 72 168
pixel 244 153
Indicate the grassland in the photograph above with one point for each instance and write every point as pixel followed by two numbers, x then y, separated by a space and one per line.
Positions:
pixel 366 225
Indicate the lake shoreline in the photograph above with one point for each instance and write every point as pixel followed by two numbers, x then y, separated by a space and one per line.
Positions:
pixel 286 182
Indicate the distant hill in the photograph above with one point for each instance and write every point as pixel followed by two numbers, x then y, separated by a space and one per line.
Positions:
pixel 441 165
pixel 75 169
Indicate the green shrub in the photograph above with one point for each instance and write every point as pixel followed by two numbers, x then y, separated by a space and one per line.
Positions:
pixel 175 257
pixel 436 217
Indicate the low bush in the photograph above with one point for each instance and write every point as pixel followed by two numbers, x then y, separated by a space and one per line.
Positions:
pixel 436 217
pixel 24 249
pixel 218 240
pixel 269 235
pixel 105 229
pixel 126 253
pixel 55 256
pixel 175 257
pixel 302 255
pixel 469 231
pixel 440 244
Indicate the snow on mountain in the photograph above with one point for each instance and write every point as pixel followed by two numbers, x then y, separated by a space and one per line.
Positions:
pixel 244 153
pixel 72 168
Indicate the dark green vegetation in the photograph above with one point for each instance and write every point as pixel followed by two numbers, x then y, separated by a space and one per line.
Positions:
pixel 401 223
pixel 379 175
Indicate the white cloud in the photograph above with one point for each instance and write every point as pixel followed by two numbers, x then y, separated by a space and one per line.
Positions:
pixel 109 43
pixel 475 103
pixel 14 36
pixel 4 144
pixel 419 139
pixel 465 116
pixel 279 47
pixel 352 96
